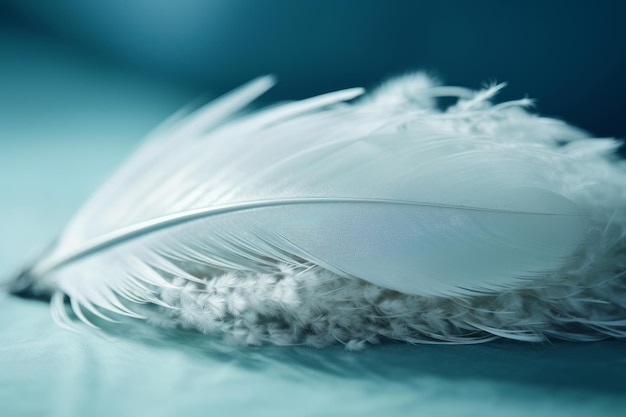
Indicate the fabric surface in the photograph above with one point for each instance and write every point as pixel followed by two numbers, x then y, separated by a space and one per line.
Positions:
pixel 53 153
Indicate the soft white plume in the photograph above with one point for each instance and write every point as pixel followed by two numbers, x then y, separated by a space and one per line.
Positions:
pixel 349 219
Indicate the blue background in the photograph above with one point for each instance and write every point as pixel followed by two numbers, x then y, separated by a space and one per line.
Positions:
pixel 567 54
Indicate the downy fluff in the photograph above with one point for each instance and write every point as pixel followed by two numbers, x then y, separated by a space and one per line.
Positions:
pixel 354 219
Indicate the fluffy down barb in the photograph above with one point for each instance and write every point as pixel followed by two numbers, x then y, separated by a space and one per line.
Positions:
pixel 354 220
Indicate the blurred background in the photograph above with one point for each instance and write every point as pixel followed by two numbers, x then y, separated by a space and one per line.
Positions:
pixel 570 55
pixel 82 81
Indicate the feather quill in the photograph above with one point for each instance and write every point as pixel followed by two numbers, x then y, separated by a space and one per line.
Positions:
pixel 327 220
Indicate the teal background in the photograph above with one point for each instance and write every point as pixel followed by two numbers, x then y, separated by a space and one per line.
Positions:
pixel 80 85
pixel 567 54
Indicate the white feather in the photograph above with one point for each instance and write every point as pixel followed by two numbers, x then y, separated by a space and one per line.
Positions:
pixel 388 194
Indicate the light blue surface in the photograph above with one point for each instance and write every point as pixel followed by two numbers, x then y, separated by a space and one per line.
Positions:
pixel 54 149
pixel 137 370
